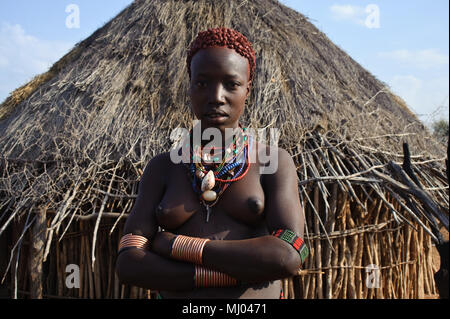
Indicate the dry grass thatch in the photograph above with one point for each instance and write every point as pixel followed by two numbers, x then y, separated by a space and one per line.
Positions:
pixel 74 143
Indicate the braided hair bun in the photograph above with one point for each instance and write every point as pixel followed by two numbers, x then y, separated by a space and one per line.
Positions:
pixel 223 37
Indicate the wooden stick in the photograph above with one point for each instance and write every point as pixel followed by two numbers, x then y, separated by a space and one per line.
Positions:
pixel 367 292
pixel 337 292
pixel 116 287
pixel 340 167
pixel 309 260
pixel 97 222
pixel 353 250
pixel 387 282
pixel 358 262
pixel 111 253
pixel 89 270
pixel 97 280
pixel 335 261
pixel 420 251
pixel 54 224
pixel 291 288
pixel 330 228
pixel 285 288
pixel 37 246
pixel 318 250
pixel 83 278
pixel 377 256
pixel 406 257
pixel 62 263
pixel 411 189
pixel 430 268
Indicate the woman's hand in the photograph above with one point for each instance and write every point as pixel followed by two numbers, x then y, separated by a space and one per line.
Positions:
pixel 162 243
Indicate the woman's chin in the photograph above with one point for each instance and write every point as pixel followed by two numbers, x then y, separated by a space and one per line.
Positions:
pixel 215 120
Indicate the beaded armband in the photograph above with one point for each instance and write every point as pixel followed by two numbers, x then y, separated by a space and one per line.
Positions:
pixel 295 241
pixel 133 241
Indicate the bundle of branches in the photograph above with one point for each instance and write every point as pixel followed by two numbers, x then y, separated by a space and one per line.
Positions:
pixel 363 211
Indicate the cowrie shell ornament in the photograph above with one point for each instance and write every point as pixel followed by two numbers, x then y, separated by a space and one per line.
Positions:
pixel 208 181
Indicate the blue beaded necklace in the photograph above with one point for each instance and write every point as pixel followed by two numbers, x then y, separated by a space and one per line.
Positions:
pixel 239 162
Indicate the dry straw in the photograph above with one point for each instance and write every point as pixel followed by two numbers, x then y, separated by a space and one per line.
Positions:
pixel 74 143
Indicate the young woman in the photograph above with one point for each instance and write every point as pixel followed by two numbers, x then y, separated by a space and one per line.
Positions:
pixel 229 231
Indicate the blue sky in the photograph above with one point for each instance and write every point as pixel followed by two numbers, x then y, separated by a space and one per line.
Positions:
pixel 403 43
pixel 408 49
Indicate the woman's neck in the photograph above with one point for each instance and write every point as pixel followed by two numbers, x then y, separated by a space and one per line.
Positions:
pixel 213 137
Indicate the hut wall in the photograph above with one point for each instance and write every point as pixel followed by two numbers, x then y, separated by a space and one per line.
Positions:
pixel 355 237
pixel 73 251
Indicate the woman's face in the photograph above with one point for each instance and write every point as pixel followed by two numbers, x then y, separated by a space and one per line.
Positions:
pixel 219 87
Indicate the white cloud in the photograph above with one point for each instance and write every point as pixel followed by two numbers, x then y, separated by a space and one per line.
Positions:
pixel 355 14
pixel 23 56
pixel 408 87
pixel 422 59
pixel 425 84
pixel 368 16
pixel 427 97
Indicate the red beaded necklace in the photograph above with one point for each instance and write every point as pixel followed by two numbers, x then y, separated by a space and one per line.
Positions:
pixel 210 180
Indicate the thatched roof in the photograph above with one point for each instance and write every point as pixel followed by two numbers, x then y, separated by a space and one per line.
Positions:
pixel 86 128
pixel 132 70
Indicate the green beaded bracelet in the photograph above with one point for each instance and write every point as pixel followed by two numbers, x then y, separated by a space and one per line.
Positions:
pixel 295 241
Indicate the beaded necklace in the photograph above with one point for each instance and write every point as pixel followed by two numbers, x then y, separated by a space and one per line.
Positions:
pixel 211 178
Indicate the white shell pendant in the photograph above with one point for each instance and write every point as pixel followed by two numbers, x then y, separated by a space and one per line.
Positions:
pixel 209 196
pixel 208 181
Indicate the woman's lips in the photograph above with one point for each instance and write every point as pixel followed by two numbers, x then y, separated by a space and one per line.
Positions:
pixel 216 117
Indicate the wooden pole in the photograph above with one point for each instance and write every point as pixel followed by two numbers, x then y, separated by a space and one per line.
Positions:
pixel 37 246
pixel 328 249
pixel 318 250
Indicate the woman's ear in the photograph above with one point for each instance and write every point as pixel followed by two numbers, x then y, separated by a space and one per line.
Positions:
pixel 249 87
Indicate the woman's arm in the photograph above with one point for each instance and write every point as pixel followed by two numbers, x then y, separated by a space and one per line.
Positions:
pixel 148 270
pixel 264 258
pixel 143 268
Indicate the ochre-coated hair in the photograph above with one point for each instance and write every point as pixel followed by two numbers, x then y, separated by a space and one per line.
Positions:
pixel 223 37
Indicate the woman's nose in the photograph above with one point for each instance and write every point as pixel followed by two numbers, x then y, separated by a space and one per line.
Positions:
pixel 217 94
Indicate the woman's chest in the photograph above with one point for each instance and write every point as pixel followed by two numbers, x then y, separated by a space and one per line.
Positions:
pixel 239 207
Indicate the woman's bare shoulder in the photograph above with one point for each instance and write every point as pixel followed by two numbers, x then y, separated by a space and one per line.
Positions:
pixel 273 159
pixel 157 168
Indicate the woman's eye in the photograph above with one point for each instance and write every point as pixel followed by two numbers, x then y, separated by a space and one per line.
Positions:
pixel 233 85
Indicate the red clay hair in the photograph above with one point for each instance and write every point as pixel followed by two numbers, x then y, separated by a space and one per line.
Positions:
pixel 223 37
